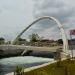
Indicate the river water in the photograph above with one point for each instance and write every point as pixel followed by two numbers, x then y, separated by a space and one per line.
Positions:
pixel 8 64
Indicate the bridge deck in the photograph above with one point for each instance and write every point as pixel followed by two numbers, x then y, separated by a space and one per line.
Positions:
pixel 33 48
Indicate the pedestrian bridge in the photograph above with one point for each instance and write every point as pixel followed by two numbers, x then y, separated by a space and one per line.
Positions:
pixel 60 27
pixel 34 48
pixel 10 48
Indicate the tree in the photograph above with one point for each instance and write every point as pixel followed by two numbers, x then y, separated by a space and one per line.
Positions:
pixel 34 37
pixel 2 40
pixel 21 41
pixel 8 42
pixel 59 41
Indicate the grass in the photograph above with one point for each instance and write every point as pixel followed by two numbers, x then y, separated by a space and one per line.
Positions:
pixel 66 67
pixel 19 70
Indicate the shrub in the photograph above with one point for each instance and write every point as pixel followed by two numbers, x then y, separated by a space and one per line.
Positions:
pixel 19 70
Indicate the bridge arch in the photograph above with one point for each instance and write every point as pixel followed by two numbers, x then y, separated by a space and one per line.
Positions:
pixel 63 35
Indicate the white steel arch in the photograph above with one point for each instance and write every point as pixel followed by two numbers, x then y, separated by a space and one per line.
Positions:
pixel 63 35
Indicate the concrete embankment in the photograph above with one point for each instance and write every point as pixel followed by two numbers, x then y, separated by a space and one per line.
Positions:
pixel 10 50
pixel 13 52
pixel 8 53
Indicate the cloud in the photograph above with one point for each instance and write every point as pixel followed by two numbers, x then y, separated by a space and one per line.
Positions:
pixel 15 15
pixel 63 10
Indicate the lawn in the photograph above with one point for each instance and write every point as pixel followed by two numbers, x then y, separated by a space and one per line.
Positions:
pixel 66 67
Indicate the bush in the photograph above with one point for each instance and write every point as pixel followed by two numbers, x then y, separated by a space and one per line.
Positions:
pixel 19 70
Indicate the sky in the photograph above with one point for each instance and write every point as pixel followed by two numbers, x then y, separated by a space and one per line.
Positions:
pixel 15 15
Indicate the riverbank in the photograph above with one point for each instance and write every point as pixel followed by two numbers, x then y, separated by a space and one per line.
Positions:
pixel 66 67
pixel 21 50
pixel 8 64
pixel 35 67
pixel 44 54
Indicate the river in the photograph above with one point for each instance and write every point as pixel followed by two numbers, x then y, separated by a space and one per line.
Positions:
pixel 8 64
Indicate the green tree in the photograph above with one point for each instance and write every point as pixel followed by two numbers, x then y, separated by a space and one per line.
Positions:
pixel 2 40
pixel 21 41
pixel 34 37
pixel 8 42
pixel 59 41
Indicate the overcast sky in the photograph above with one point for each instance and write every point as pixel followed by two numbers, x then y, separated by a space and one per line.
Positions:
pixel 15 15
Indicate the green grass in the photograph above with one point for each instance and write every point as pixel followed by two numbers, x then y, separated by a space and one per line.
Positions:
pixel 66 67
